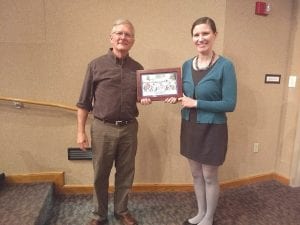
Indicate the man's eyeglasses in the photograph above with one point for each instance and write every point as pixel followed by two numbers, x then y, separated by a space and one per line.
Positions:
pixel 125 34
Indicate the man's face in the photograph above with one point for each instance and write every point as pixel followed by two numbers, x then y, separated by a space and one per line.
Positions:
pixel 122 38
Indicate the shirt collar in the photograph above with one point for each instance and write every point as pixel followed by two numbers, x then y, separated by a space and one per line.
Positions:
pixel 116 59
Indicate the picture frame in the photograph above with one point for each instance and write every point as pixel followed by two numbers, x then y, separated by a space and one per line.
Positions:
pixel 159 84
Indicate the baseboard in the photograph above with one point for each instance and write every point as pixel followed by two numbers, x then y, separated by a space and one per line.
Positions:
pixel 58 179
pixel 254 179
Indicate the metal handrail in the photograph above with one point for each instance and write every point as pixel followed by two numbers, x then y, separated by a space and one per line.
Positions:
pixel 19 103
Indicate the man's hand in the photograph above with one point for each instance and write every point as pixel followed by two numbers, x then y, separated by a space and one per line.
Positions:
pixel 146 101
pixel 82 141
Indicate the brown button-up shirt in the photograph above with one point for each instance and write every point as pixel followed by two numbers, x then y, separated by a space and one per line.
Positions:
pixel 110 88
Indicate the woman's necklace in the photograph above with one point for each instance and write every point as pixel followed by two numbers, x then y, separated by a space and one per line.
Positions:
pixel 209 65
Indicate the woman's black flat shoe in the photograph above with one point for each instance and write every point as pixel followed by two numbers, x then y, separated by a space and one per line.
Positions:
pixel 188 223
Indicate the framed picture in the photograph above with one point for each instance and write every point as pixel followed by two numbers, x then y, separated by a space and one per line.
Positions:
pixel 159 84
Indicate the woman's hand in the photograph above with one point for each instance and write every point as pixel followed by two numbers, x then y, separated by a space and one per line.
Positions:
pixel 188 102
pixel 171 100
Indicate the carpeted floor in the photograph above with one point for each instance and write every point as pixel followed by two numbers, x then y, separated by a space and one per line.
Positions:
pixel 265 203
pixel 27 204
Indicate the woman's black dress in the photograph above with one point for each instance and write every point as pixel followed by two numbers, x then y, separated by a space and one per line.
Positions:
pixel 201 142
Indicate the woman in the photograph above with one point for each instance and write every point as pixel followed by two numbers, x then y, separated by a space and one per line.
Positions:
pixel 209 86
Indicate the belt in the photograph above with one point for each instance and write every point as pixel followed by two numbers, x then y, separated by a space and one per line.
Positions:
pixel 118 123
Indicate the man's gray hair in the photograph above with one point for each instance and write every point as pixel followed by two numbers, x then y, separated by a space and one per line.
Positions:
pixel 120 22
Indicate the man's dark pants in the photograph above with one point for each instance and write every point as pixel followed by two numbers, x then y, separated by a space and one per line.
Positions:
pixel 113 144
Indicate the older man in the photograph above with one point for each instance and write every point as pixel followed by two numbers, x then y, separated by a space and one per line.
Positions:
pixel 109 90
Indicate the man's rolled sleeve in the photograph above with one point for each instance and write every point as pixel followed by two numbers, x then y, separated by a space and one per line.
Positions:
pixel 86 96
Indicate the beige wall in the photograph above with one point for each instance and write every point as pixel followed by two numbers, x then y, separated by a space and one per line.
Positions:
pixel 259 45
pixel 288 160
pixel 45 47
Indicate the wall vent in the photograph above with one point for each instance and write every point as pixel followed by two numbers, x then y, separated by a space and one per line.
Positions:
pixel 78 154
pixel 2 177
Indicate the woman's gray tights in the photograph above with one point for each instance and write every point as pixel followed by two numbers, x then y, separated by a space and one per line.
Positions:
pixel 207 191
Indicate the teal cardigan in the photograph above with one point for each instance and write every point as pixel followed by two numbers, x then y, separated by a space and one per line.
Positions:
pixel 216 93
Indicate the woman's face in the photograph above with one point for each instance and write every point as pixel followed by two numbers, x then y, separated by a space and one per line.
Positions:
pixel 203 38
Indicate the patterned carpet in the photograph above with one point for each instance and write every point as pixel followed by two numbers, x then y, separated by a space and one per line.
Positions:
pixel 265 203
pixel 27 204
